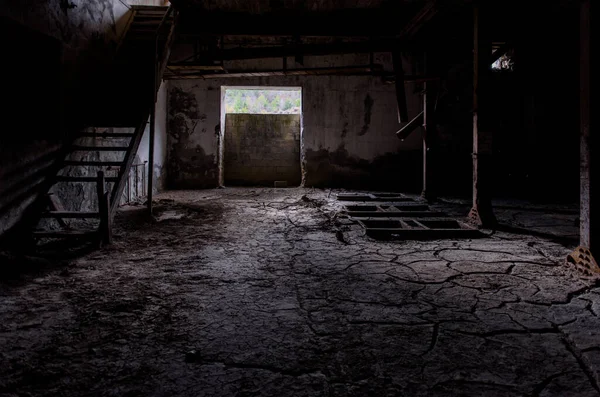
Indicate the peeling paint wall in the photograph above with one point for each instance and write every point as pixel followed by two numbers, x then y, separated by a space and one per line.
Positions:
pixel 348 136
pixel 160 141
pixel 193 131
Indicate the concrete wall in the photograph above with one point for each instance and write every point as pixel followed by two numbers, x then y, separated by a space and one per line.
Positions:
pixel 160 141
pixel 348 136
pixel 261 149
pixel 55 49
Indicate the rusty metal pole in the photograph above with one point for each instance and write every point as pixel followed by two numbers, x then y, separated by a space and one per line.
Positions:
pixel 429 131
pixel 481 213
pixel 583 257
pixel 151 155
pixel 152 125
pixel 587 224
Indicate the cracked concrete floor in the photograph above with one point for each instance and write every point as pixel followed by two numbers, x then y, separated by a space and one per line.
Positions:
pixel 248 292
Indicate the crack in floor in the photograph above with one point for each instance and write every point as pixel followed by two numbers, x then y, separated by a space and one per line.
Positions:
pixel 258 283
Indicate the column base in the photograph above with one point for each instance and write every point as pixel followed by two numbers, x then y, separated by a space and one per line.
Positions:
pixel 582 260
pixel 482 217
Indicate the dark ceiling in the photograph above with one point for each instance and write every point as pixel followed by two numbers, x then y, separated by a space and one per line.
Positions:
pixel 267 6
pixel 369 18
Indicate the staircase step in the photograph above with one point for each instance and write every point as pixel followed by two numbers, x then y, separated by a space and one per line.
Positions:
pixel 94 163
pixel 104 135
pixel 83 179
pixel 65 233
pixel 99 148
pixel 143 28
pixel 160 13
pixel 70 214
pixel 149 15
pixel 149 22
pixel 143 8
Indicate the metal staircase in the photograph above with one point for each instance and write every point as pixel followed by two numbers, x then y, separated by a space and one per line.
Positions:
pixel 103 156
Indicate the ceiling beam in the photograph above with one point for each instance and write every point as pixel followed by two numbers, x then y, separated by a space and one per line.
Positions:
pixel 241 53
pixel 286 22
pixel 499 52
pixel 357 70
pixel 410 29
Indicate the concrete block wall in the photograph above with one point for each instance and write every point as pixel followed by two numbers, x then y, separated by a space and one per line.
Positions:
pixel 261 149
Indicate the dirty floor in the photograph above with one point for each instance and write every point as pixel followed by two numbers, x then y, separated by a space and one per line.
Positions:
pixel 265 292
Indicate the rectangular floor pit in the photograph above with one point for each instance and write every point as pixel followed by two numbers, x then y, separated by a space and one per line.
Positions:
pixel 411 207
pixel 381 224
pixel 413 224
pixel 356 208
pixel 390 197
pixel 441 224
pixel 354 197
pixel 395 216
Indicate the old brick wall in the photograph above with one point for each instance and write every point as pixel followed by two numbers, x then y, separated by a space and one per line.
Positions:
pixel 261 149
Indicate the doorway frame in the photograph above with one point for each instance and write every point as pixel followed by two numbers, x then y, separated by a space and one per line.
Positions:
pixel 223 113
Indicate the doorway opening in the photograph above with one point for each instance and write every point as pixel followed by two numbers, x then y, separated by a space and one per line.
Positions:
pixel 261 136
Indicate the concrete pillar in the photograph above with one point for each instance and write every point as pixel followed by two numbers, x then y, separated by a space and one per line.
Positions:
pixel 589 235
pixel 481 213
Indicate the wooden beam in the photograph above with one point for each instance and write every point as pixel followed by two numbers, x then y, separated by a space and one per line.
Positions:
pixel 587 225
pixel 105 229
pixel 298 55
pixel 412 125
pixel 400 89
pixel 359 47
pixel 499 52
pixel 340 70
pixel 583 258
pixel 55 206
pixel 413 26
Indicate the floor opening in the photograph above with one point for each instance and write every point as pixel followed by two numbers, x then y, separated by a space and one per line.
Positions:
pixel 261 138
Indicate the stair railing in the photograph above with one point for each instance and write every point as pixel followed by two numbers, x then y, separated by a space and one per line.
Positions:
pixel 156 76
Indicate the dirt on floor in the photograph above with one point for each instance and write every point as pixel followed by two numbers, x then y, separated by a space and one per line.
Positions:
pixel 272 292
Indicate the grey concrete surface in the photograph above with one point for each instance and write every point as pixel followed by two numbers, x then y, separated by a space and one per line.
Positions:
pixel 251 292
